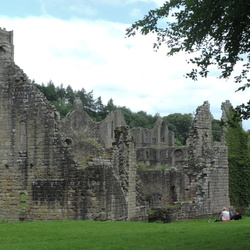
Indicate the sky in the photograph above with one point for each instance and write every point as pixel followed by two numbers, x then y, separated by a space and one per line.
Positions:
pixel 82 43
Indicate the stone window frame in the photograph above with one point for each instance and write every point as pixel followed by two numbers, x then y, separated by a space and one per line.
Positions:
pixel 23 135
pixel 182 154
pixel 23 200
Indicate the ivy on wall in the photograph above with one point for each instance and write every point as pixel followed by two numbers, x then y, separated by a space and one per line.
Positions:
pixel 239 180
pixel 239 163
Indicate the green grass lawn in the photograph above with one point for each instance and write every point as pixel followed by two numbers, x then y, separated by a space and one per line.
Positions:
pixel 71 235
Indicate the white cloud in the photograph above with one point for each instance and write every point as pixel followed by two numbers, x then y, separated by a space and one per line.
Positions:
pixel 97 56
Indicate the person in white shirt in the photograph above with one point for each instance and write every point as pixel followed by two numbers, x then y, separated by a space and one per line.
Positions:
pixel 225 214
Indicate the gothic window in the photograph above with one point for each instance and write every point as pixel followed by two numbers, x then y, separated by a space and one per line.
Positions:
pixel 23 135
pixel 208 189
pixel 178 154
pixel 23 201
pixel 173 194
pixel 163 129
pixel 112 129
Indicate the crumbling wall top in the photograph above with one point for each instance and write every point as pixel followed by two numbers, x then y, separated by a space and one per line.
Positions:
pixel 225 107
pixel 6 44
pixel 203 117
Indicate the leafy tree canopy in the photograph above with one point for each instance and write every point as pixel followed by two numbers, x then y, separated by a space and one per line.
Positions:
pixel 138 119
pixel 216 31
pixel 216 129
pixel 180 124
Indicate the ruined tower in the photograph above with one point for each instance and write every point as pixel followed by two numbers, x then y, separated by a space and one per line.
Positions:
pixel 6 45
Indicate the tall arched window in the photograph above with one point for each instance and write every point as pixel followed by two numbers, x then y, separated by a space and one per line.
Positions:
pixel 162 131
pixel 23 201
pixel 23 135
pixel 173 194
pixel 112 129
pixel 208 189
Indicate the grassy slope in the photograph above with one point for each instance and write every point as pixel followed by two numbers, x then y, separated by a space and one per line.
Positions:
pixel 125 235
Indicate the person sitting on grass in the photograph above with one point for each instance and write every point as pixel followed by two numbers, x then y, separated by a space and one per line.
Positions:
pixel 224 216
pixel 236 216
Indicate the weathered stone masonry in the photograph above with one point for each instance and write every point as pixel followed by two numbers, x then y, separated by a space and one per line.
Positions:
pixel 76 168
pixel 197 185
pixel 39 177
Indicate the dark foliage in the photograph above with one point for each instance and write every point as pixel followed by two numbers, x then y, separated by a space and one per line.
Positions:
pixel 239 162
pixel 180 124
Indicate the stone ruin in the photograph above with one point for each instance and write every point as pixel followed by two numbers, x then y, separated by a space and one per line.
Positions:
pixel 78 169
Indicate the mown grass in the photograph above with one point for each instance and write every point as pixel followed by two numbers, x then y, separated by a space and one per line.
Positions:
pixel 72 235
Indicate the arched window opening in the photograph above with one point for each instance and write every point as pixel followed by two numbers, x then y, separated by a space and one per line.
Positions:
pixel 23 201
pixel 173 194
pixel 23 135
pixel 208 189
pixel 163 129
pixel 112 129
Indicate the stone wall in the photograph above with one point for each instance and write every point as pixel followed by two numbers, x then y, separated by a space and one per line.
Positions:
pixel 179 212
pixel 86 137
pixel 6 44
pixel 76 168
pixel 39 177
pixel 32 156
pixel 209 162
pixel 160 135
pixel 163 157
pixel 164 188
pixel 199 181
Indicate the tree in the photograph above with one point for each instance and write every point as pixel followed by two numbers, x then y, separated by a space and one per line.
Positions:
pixel 70 94
pixel 61 92
pixel 63 106
pixel 51 91
pixel 139 119
pixel 101 112
pixel 111 106
pixel 218 31
pixel 180 124
pixel 216 129
pixel 87 101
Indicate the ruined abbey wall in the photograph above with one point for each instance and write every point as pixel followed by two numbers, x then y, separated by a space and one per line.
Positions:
pixel 76 168
pixel 30 144
pixel 86 137
pixel 160 135
pixel 163 157
pixel 39 177
pixel 200 183
pixel 39 173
